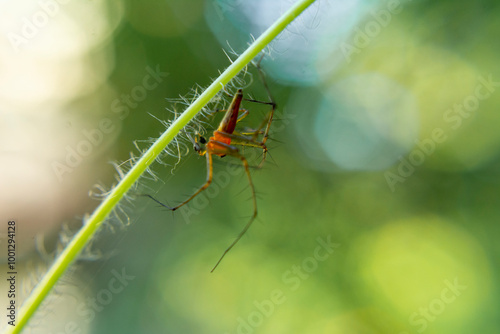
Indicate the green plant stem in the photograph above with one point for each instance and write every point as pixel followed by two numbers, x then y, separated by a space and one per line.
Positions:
pixel 72 250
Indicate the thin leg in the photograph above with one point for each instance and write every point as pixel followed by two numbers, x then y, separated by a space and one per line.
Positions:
pixel 157 201
pixel 263 79
pixel 203 187
pixel 266 134
pixel 251 141
pixel 238 139
pixel 241 137
pixel 231 150
pixel 244 114
pixel 249 132
pixel 266 122
pixel 264 82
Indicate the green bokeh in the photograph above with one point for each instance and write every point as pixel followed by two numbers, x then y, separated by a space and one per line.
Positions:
pixel 396 250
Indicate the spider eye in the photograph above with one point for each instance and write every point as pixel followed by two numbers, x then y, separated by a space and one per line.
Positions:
pixel 203 140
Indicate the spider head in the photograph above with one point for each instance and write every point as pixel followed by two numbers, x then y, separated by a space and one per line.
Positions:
pixel 199 144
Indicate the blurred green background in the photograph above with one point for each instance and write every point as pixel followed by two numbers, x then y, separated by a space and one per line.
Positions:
pixel 378 206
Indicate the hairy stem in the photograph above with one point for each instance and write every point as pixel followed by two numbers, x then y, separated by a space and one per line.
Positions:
pixel 72 250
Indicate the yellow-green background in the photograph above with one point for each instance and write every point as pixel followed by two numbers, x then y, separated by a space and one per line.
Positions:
pixel 396 249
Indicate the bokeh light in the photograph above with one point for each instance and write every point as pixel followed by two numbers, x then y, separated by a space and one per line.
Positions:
pixel 360 131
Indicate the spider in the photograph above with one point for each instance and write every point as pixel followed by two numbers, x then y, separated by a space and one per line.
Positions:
pixel 225 142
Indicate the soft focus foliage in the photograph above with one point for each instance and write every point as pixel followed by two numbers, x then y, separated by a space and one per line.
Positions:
pixel 377 208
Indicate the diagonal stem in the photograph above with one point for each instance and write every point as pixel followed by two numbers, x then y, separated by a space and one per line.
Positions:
pixel 74 248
